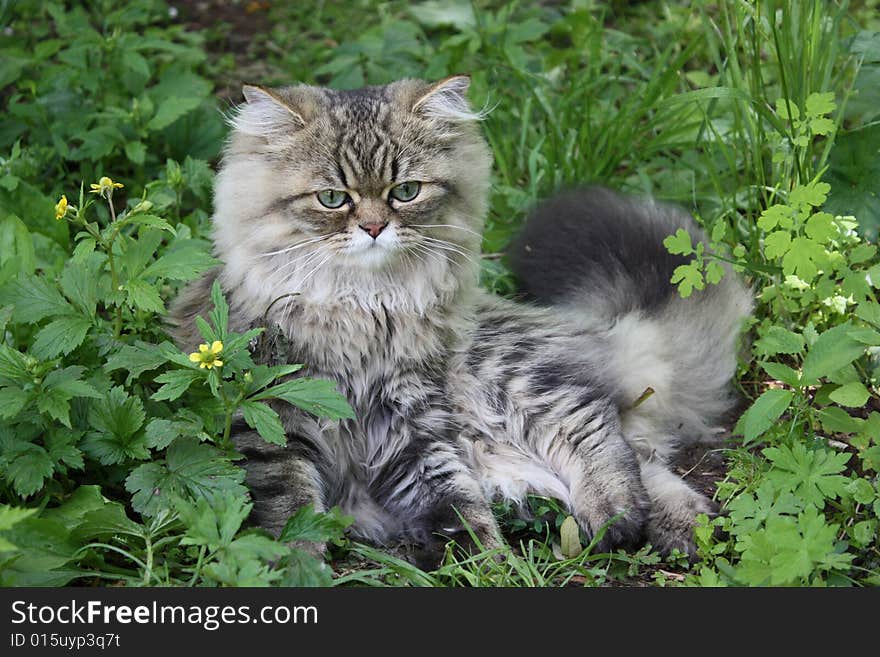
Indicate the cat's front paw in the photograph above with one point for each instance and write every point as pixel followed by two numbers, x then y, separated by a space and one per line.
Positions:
pixel 671 523
pixel 473 532
pixel 620 516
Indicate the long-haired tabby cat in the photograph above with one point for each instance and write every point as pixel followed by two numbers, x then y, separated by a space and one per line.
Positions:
pixel 351 222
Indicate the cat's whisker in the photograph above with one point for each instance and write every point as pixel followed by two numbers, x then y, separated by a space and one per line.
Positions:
pixel 437 255
pixel 294 263
pixel 297 264
pixel 448 246
pixel 467 230
pixel 298 245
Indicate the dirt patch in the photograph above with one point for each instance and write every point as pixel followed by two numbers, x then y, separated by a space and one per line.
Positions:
pixel 239 29
pixel 702 467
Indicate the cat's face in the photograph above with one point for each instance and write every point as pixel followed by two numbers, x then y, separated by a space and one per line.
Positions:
pixel 324 191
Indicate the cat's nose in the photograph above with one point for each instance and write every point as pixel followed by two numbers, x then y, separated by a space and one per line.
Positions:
pixel 374 228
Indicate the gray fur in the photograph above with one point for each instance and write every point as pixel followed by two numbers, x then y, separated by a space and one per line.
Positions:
pixel 461 398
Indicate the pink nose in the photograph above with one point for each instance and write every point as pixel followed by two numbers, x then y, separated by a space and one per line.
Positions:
pixel 373 228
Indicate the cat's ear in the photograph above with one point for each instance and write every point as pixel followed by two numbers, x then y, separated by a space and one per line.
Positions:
pixel 447 100
pixel 271 112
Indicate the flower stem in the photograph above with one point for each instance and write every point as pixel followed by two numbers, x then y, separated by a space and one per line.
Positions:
pixel 114 278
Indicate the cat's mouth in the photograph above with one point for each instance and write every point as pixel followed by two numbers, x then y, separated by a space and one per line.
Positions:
pixel 369 251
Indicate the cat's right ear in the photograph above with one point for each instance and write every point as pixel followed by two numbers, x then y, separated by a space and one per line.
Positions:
pixel 270 113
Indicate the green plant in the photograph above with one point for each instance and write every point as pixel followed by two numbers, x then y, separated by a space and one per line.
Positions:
pixel 80 418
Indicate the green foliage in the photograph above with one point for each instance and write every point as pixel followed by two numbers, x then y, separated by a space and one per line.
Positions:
pixel 95 401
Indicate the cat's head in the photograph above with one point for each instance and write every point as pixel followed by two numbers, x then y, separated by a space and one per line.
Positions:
pixel 371 196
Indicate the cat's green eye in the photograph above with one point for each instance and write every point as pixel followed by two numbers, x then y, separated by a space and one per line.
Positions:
pixel 406 191
pixel 332 198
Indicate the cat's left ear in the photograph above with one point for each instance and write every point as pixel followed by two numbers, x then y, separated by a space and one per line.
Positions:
pixel 447 100
pixel 272 112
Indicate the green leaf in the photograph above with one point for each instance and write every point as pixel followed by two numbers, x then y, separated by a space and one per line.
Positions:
pixel 302 569
pixel 44 545
pixel 60 445
pixel 804 258
pixel 220 315
pixel 149 221
pixel 866 336
pixel 778 340
pixel 144 296
pixel 714 272
pixel 821 126
pixel 782 373
pixel 67 381
pixel 29 466
pixel 136 151
pixel 790 550
pixel 812 194
pixel 60 336
pixel 172 109
pixel 764 412
pixel 116 420
pixel 310 526
pixel 160 433
pixel 34 299
pixel 833 350
pixel 9 517
pixel 688 278
pixel 316 396
pixel 191 470
pixel 869 311
pixel 13 366
pixel 821 227
pixel 182 264
pixel 137 359
pixel 813 475
pixel 777 244
pixel 820 104
pixel 176 382
pixel 569 536
pixel 680 243
pixel 16 248
pixel 266 421
pixel 837 420
pixel 109 520
pixel 787 109
pixel 213 521
pixel 80 283
pixel 775 215
pixel 12 400
pixel 863 253
pixel 862 491
pixel 854 395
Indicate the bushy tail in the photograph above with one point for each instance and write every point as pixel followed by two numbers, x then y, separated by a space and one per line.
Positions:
pixel 600 255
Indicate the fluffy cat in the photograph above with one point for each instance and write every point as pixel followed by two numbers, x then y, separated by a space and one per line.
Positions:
pixel 350 222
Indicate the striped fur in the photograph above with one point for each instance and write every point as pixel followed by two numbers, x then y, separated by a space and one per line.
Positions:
pixel 460 397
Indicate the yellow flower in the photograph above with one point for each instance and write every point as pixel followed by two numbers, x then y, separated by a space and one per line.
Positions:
pixel 206 356
pixel 104 186
pixel 61 208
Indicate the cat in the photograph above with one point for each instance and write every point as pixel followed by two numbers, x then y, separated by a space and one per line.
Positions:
pixel 350 223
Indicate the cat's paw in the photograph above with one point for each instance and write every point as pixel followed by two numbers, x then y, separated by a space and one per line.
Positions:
pixel 620 516
pixel 671 523
pixel 473 533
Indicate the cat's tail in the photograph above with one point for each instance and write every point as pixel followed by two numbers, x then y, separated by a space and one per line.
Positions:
pixel 599 256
